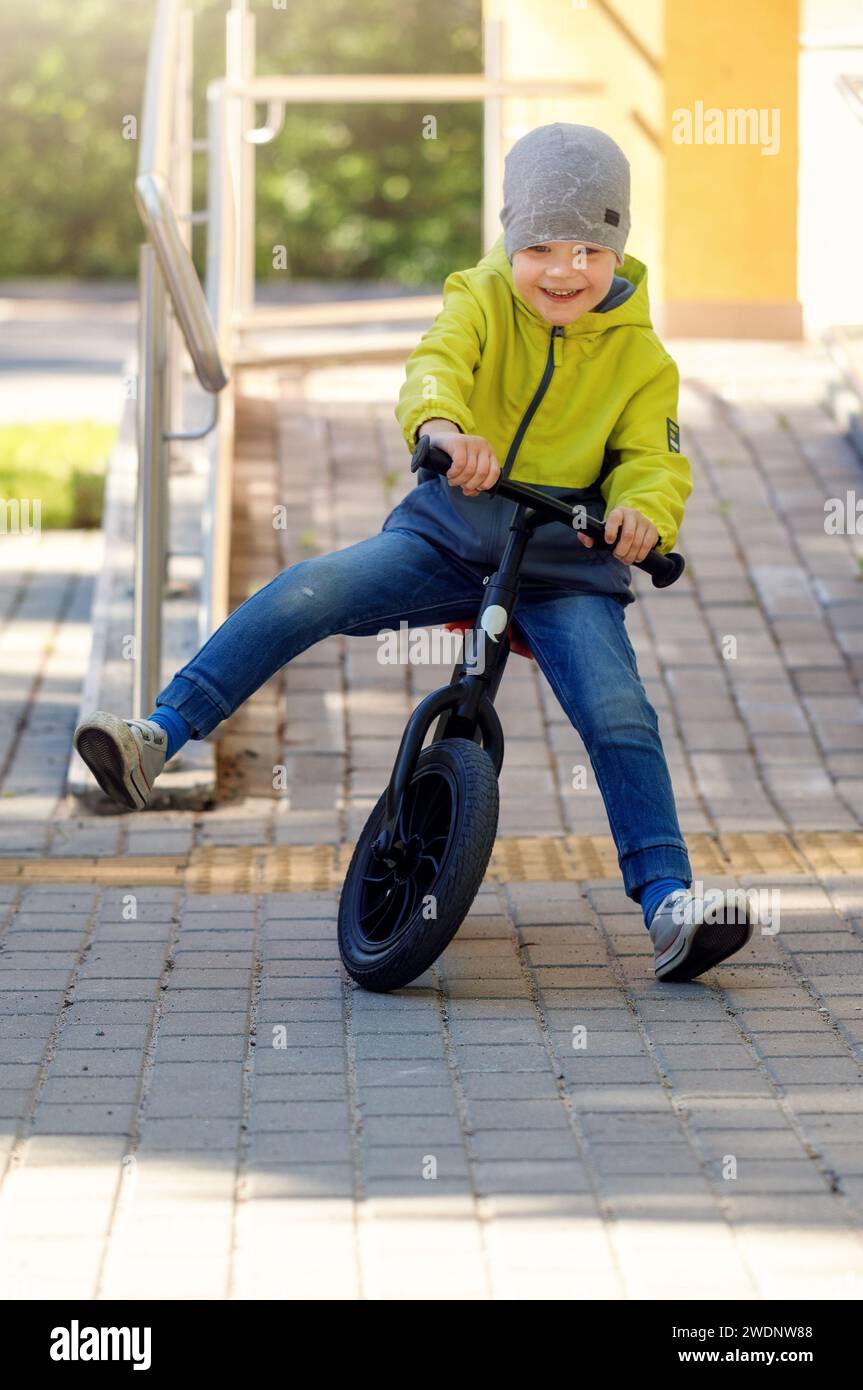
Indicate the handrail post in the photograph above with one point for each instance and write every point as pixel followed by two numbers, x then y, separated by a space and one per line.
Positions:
pixel 173 312
pixel 221 257
pixel 239 71
pixel 150 512
pixel 181 191
pixel 492 111
pixel 221 288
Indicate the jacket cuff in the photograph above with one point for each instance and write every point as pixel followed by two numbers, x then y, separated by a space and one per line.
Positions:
pixel 444 410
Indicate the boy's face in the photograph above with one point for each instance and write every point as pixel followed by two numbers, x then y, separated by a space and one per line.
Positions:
pixel 563 265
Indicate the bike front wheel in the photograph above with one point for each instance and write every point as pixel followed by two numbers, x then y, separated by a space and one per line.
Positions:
pixel 395 922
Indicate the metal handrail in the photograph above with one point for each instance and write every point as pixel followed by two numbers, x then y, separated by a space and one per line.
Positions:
pixel 157 118
pixel 167 274
pixel 184 287
pixel 155 205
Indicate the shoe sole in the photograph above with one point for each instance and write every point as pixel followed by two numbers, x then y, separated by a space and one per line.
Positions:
pixel 108 758
pixel 707 944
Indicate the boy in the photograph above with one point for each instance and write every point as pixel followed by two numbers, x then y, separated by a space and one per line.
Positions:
pixel 543 352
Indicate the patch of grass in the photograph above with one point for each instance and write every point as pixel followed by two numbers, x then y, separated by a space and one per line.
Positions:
pixel 61 465
pixel 308 540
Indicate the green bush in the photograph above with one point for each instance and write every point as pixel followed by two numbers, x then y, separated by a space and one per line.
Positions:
pixel 352 191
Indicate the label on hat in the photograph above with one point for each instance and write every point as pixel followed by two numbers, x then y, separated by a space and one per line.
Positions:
pixel 612 217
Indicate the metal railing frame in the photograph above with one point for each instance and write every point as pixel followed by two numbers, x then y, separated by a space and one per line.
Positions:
pixel 248 89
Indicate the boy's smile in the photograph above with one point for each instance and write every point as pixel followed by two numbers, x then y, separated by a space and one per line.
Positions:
pixel 563 279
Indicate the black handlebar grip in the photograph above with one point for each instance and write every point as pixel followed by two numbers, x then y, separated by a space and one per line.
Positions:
pixel 663 569
pixel 426 455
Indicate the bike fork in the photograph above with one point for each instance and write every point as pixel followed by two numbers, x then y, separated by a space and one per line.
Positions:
pixel 465 707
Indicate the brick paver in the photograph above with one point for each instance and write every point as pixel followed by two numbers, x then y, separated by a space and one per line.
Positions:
pixel 194 1100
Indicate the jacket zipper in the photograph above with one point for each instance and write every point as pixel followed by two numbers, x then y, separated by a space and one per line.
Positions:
pixel 555 351
pixel 553 360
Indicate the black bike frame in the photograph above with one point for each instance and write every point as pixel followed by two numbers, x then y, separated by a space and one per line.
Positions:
pixel 465 707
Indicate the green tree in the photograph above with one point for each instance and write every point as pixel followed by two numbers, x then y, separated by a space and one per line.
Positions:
pixel 352 191
pixel 69 75
pixel 355 190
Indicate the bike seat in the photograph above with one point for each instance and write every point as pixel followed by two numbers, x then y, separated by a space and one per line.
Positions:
pixel 519 648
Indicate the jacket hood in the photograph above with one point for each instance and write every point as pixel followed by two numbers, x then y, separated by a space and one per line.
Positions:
pixel 625 303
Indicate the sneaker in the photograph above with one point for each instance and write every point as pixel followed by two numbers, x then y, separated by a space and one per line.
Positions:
pixel 686 944
pixel 124 755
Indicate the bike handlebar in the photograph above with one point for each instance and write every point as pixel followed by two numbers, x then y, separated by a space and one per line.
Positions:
pixel 663 569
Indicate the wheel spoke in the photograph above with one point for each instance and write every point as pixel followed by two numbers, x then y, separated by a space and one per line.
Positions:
pixel 407 812
pixel 409 906
pixel 379 902
pixel 425 812
pixel 395 913
pixel 444 835
pixel 378 878
pixel 436 803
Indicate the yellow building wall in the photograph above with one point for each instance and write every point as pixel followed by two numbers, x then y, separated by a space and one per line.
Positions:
pixel 716 224
pixel 730 211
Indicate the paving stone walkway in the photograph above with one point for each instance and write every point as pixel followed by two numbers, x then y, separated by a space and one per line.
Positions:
pixel 195 1101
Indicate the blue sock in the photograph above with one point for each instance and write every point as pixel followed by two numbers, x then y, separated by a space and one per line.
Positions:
pixel 176 727
pixel 653 893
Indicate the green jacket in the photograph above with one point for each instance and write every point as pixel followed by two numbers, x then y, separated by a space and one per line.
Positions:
pixel 586 410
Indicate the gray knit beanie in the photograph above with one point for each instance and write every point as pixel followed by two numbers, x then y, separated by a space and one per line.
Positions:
pixel 565 182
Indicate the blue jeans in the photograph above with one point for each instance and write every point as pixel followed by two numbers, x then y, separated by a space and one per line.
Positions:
pixel 579 641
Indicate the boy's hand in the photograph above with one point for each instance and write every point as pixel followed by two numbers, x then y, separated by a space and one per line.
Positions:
pixel 474 466
pixel 638 536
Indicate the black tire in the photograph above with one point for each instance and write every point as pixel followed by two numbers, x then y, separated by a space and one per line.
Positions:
pixel 451 803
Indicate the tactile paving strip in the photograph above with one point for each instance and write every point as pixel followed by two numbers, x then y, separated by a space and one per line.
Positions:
pixel 515 859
